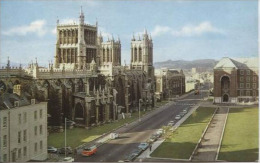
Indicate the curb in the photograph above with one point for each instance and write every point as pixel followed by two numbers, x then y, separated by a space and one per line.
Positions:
pixel 192 155
pixel 220 141
pixel 133 123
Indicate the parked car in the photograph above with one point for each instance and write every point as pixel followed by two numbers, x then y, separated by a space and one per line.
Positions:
pixel 182 114
pixel 153 138
pixel 137 151
pixel 70 123
pixel 114 135
pixel 171 123
pixel 89 151
pixel 52 149
pixel 185 111
pixel 143 146
pixel 62 150
pixel 177 117
pixel 68 159
pixel 130 157
pixel 160 131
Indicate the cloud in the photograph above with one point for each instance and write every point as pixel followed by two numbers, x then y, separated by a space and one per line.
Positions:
pixel 187 30
pixel 160 30
pixel 54 31
pixel 190 30
pixel 37 27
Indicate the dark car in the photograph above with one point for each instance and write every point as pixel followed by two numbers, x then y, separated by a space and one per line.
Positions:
pixel 137 151
pixel 52 149
pixel 68 150
pixel 130 157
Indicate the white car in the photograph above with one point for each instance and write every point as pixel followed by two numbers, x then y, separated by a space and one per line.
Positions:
pixel 177 117
pixel 114 135
pixel 68 159
pixel 159 131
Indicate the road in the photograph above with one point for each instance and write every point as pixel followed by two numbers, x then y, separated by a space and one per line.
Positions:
pixel 117 149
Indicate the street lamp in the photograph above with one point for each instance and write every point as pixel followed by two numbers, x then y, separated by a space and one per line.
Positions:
pixel 140 100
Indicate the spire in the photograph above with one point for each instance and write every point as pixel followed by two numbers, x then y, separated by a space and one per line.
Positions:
pixel 151 37
pixel 81 13
pixel 112 37
pixel 145 31
pixel 118 39
pixel 139 37
pixel 58 21
pixel 96 22
pixel 8 63
pixel 133 39
pixel 81 16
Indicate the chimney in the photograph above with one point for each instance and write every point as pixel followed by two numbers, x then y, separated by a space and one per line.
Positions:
pixel 17 89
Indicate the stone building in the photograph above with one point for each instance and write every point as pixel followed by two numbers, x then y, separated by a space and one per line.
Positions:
pixel 110 51
pixel 87 83
pixel 169 83
pixel 142 54
pixel 236 80
pixel 23 125
pixel 76 44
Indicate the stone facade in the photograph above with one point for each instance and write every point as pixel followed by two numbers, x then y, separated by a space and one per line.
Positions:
pixel 23 128
pixel 86 83
pixel 142 54
pixel 236 80
pixel 169 83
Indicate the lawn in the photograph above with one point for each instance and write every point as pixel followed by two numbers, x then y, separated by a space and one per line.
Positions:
pixel 77 136
pixel 182 142
pixel 240 140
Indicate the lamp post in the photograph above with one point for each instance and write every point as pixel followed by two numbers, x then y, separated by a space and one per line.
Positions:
pixel 140 100
pixel 65 136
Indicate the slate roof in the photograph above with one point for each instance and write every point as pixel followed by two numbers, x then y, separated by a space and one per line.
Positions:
pixel 238 63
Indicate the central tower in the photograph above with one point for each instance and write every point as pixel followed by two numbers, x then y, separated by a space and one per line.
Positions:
pixel 76 44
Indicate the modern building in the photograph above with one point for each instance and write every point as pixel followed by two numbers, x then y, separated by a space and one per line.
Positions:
pixel 23 126
pixel 236 80
pixel 169 83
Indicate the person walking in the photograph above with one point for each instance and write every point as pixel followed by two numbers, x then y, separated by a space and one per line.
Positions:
pixel 151 147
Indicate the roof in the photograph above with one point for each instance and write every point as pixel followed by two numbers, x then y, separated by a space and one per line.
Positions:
pixel 7 100
pixel 237 63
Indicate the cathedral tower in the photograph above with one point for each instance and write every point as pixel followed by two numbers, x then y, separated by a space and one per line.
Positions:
pixel 142 54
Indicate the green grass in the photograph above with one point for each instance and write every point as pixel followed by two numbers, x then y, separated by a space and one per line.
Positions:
pixel 78 136
pixel 181 143
pixel 240 140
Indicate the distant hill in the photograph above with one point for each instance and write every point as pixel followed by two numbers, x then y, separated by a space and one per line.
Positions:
pixel 182 64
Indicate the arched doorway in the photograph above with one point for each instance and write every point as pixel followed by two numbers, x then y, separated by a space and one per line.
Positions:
pixel 79 113
pixel 225 88
pixel 225 98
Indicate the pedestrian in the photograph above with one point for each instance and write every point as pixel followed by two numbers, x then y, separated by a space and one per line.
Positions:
pixel 151 147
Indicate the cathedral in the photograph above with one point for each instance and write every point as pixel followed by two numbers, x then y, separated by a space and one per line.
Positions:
pixel 87 83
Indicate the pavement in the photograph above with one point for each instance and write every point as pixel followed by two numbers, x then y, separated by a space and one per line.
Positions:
pixel 134 133
pixel 208 148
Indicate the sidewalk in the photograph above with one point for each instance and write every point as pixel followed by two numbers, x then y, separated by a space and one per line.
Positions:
pixel 209 146
pixel 147 152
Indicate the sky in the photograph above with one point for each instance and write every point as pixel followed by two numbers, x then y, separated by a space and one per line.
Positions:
pixel 181 30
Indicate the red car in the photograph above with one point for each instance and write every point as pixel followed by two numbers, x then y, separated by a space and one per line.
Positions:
pixel 89 151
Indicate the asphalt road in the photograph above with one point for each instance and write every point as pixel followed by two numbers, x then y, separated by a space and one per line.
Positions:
pixel 117 149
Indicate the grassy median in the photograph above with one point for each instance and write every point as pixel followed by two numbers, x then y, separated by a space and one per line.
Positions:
pixel 182 142
pixel 240 140
pixel 78 136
